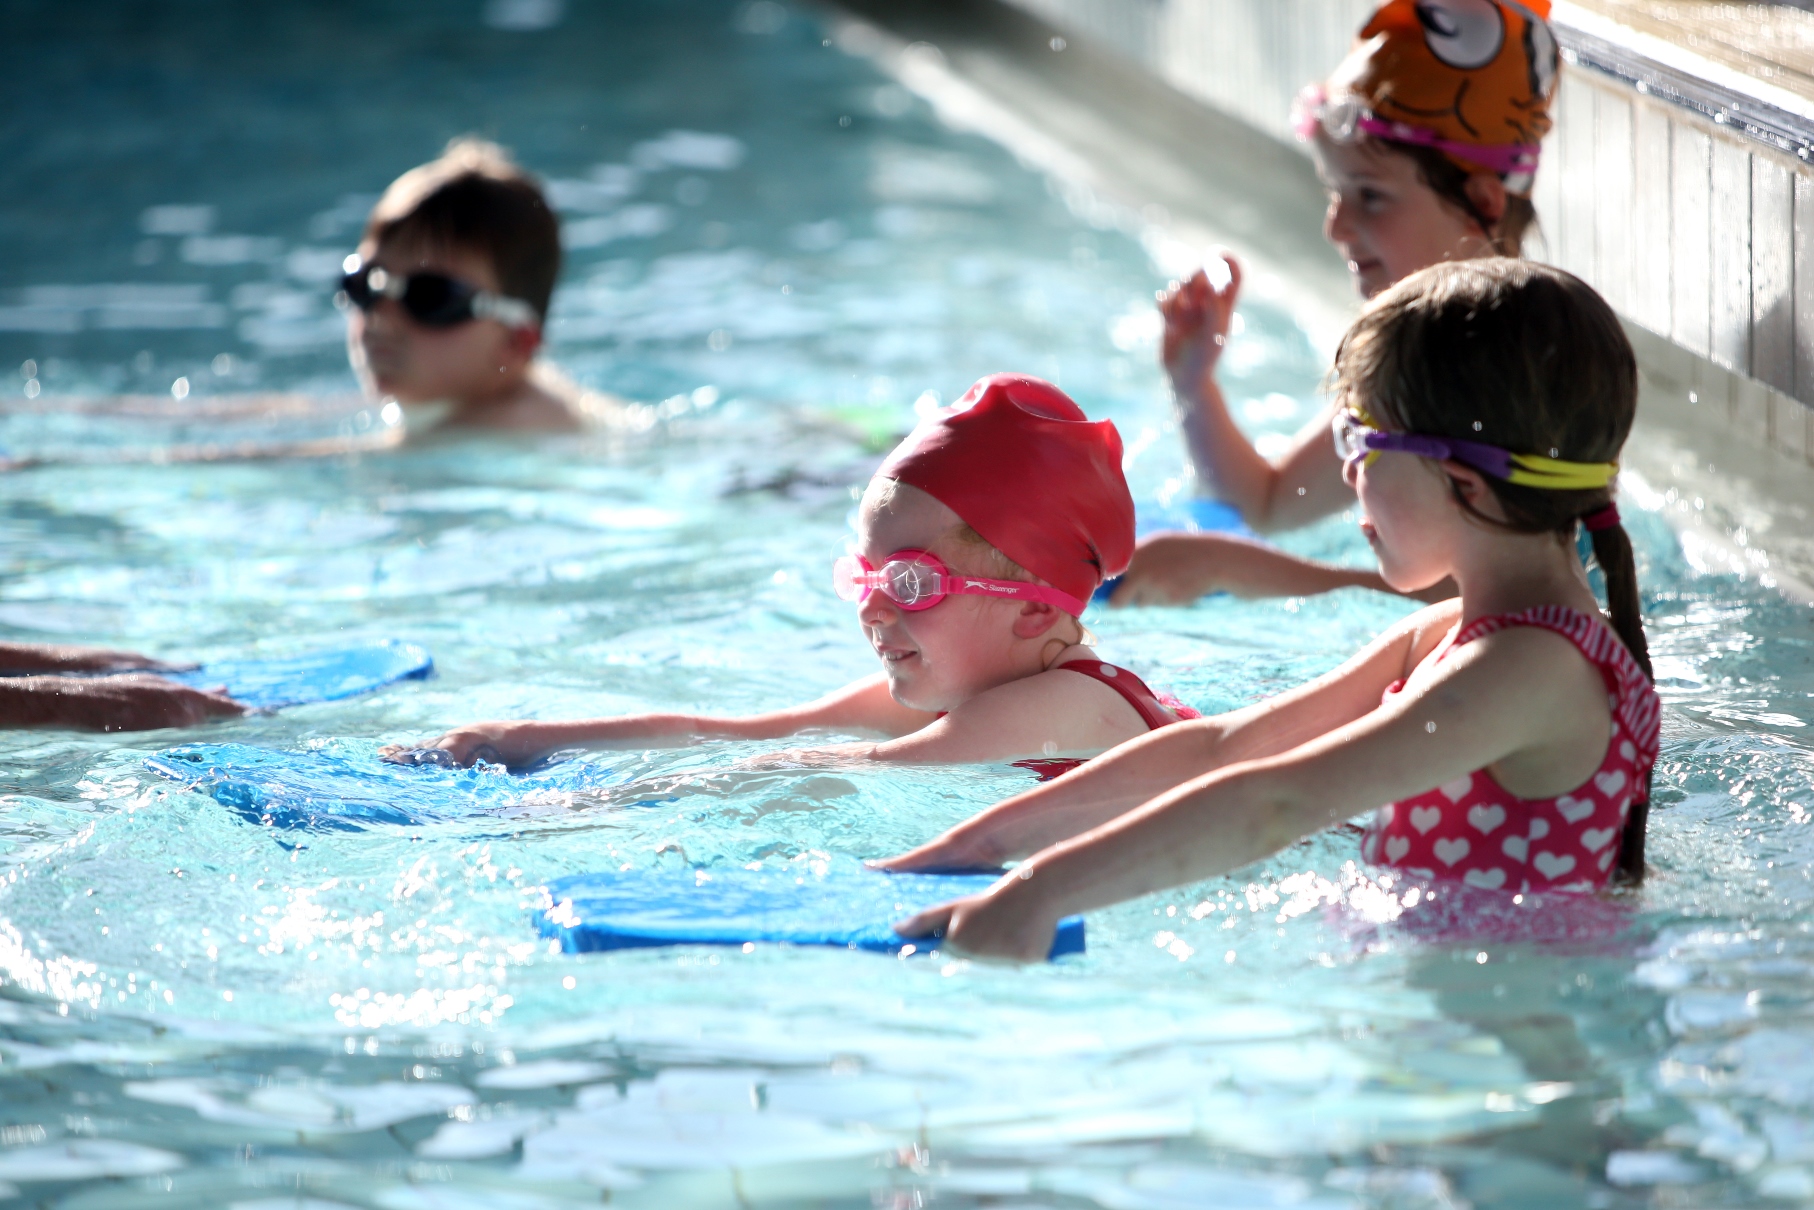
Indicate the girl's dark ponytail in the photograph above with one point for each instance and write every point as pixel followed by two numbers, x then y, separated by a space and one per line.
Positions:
pixel 1612 551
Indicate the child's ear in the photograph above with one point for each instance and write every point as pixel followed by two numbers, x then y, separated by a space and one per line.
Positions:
pixel 1473 487
pixel 1487 193
pixel 523 342
pixel 1034 619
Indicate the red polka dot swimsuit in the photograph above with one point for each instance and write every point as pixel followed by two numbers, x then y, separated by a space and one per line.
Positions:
pixel 1473 830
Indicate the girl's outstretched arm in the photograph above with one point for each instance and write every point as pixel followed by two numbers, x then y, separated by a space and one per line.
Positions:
pixel 1509 693
pixel 1178 568
pixel 863 705
pixel 1151 764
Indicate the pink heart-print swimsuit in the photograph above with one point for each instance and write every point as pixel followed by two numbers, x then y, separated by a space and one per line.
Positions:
pixel 1474 831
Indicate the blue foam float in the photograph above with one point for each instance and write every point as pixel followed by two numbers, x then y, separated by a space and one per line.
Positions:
pixel 352 791
pixel 848 906
pixel 320 676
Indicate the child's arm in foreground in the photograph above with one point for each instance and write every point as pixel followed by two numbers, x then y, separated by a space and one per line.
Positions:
pixel 1178 568
pixel 863 705
pixel 1148 766
pixel 1491 700
pixel 1304 484
pixel 53 658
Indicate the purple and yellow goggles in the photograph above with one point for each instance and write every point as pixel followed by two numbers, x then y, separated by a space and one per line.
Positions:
pixel 1357 440
pixel 917 579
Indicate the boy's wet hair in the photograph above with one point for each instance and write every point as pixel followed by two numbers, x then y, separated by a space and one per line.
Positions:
pixel 1528 358
pixel 474 198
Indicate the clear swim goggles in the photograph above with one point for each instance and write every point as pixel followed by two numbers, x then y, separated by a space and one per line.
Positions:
pixel 1357 439
pixel 917 579
pixel 433 300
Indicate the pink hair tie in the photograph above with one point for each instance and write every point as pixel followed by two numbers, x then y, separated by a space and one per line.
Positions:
pixel 1600 519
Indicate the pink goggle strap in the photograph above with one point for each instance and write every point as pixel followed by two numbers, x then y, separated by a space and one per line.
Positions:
pixel 853 580
pixel 1506 159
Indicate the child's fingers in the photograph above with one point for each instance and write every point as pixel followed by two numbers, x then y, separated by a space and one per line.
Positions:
pixel 930 923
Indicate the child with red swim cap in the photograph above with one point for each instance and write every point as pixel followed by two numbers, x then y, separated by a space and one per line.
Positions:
pixel 979 541
pixel 1427 137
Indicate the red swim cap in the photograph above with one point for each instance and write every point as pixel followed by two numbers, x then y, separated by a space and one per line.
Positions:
pixel 1026 469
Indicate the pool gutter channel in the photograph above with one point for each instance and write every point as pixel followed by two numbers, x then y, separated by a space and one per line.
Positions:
pixel 1679 188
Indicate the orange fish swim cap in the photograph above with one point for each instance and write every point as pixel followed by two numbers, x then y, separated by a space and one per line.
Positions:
pixel 1471 78
pixel 1027 470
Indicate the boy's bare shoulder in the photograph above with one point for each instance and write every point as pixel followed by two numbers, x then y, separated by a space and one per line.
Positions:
pixel 586 408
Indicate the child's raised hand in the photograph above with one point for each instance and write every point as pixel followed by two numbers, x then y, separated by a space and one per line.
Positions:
pixel 1197 315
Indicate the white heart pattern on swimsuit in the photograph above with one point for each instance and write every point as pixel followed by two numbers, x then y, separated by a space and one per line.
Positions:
pixel 1627 751
pixel 1610 782
pixel 1396 848
pixel 1451 851
pixel 1490 880
pixel 1574 809
pixel 1458 789
pixel 1553 866
pixel 1517 848
pixel 1539 829
pixel 1425 818
pixel 1594 839
pixel 1607 856
pixel 1486 818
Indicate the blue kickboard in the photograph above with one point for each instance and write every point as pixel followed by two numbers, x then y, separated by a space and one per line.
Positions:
pixel 849 906
pixel 321 676
pixel 1191 515
pixel 354 791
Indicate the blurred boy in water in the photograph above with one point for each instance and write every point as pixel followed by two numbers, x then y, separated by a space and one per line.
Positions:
pixel 449 292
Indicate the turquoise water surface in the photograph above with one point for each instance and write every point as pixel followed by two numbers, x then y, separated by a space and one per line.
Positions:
pixel 783 252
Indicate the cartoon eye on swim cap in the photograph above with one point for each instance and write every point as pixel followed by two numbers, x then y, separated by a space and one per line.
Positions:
pixel 1540 46
pixel 1465 34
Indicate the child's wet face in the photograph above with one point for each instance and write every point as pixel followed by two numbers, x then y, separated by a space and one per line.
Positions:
pixel 1385 220
pixel 397 356
pixel 937 658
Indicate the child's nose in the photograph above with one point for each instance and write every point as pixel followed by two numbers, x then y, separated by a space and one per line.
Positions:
pixel 877 609
pixel 1338 221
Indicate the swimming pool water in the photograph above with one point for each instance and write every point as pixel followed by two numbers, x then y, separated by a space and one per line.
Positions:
pixel 197 1011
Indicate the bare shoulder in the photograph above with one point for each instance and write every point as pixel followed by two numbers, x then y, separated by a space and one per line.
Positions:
pixel 584 407
pixel 1424 631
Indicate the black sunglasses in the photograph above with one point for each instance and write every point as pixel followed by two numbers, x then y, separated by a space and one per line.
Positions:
pixel 433 300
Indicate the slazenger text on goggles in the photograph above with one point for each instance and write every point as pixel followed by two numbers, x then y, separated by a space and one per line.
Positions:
pixel 916 579
pixel 1344 117
pixel 1356 439
pixel 433 300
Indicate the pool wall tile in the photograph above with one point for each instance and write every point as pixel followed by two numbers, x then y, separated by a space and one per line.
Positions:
pixel 1693 220
pixel 1691 237
pixel 1772 273
pixel 1611 197
pixel 1731 275
pixel 1652 290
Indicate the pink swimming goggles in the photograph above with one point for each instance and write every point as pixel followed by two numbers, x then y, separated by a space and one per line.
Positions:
pixel 1342 118
pixel 917 579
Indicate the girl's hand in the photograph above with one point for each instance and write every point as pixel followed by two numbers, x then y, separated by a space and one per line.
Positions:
pixel 1197 316
pixel 947 852
pixel 1007 922
pixel 502 743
